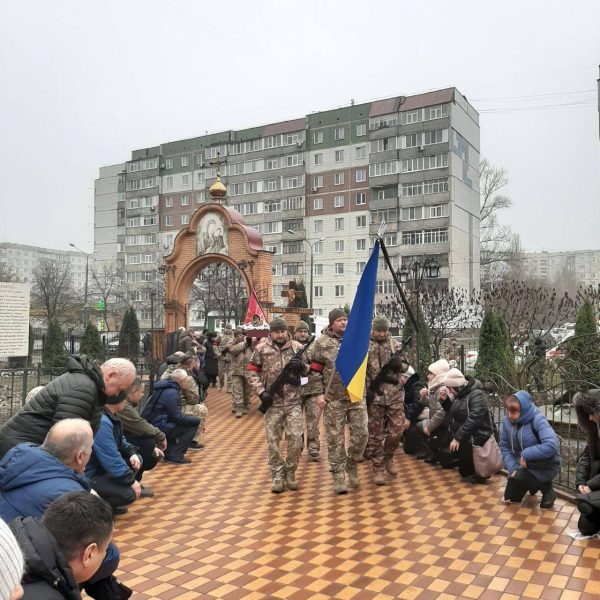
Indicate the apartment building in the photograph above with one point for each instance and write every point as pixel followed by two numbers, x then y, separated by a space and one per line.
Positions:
pixel 318 187
pixel 582 267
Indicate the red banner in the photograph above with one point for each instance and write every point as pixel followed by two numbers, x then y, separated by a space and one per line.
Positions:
pixel 254 312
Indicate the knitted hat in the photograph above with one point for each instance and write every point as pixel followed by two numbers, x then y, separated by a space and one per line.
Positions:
pixel 278 324
pixel 335 314
pixel 439 367
pixel 11 562
pixel 302 325
pixel 381 323
pixel 454 379
pixel 409 372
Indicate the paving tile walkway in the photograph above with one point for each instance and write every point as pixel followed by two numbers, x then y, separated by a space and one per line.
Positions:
pixel 214 530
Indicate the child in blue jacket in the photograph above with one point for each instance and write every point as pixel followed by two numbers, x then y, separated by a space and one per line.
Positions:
pixel 529 449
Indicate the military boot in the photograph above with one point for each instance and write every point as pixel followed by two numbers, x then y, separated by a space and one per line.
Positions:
pixel 352 471
pixel 339 485
pixel 277 485
pixel 290 479
pixel 390 466
pixel 378 477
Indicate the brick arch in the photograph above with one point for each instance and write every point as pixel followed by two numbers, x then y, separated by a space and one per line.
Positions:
pixel 192 252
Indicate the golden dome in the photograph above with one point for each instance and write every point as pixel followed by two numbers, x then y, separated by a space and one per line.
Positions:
pixel 217 189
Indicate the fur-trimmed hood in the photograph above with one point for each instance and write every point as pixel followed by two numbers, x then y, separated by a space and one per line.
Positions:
pixel 586 404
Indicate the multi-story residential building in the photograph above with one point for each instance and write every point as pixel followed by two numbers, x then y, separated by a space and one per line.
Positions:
pixel 109 194
pixel 581 267
pixel 321 185
pixel 23 260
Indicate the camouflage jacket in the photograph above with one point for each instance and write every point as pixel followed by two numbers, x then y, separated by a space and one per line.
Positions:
pixel 241 354
pixel 379 355
pixel 189 393
pixel 324 377
pixel 266 364
pixel 306 390
pixel 225 339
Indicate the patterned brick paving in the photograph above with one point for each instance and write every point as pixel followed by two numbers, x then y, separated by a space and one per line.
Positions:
pixel 214 530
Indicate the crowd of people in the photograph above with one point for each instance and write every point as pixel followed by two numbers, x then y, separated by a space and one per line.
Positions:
pixel 75 454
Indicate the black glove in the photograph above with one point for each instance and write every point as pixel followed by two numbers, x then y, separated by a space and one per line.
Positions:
pixel 396 364
pixel 266 400
pixel 295 364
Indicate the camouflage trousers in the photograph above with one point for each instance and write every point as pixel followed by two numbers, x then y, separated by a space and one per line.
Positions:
pixel 382 445
pixel 197 410
pixel 335 415
pixel 312 415
pixel 225 370
pixel 280 419
pixel 241 392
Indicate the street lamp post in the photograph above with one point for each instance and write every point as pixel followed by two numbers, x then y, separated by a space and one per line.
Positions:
pixel 417 271
pixel 310 245
pixel 85 293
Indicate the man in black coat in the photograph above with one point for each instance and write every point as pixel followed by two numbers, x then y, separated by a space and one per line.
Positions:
pixel 81 392
pixel 414 440
pixel 66 548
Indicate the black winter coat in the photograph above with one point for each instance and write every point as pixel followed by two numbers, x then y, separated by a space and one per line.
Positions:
pixel 48 575
pixel 412 405
pixel 78 393
pixel 472 424
pixel 588 465
pixel 211 362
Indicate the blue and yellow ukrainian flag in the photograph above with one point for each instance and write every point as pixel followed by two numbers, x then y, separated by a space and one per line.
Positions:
pixel 351 361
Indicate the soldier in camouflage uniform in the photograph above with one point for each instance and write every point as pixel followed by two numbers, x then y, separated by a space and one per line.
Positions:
pixel 190 395
pixel 225 357
pixel 285 414
pixel 387 406
pixel 240 350
pixel 312 412
pixel 332 396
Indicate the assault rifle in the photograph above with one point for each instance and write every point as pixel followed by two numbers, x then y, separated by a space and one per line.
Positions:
pixel 290 375
pixel 389 373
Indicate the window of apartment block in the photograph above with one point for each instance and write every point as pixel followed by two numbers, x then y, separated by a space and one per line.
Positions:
pixel 360 267
pixel 338 268
pixel 318 203
pixel 276 270
pixel 200 177
pixel 184 161
pixel 318 247
pixel 185 200
pixel 168 220
pixel 200 197
pixel 361 244
pixel 412 213
pixel 339 291
pixel 437 211
pixel 391 239
pixel 339 133
pixel 338 246
pixel 199 160
pixel 292 247
pixel 318 181
pixel 185 219
pixel 361 198
pixel 292 268
pixel 168 183
pixel 293 203
pixel 318 137
pixel 273 206
pixel 318 269
pixel 338 201
pixel 169 163
pixel 361 175
pixel 318 291
pixel 318 158
pixel 361 129
pixel 135 222
pixel 339 224
pixel 318 226
pixel 168 202
pixel 338 179
pixel 361 152
pixel 361 221
pixel 339 156
pixel 294 160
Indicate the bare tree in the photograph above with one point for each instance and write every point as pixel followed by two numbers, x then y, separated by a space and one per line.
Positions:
pixel 53 289
pixel 105 282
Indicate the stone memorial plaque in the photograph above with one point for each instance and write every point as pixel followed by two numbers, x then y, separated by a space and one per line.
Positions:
pixel 14 319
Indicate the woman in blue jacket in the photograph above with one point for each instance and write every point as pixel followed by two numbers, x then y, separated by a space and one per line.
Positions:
pixel 530 451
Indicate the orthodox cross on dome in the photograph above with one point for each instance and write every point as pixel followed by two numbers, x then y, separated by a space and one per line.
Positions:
pixel 217 189
pixel 217 163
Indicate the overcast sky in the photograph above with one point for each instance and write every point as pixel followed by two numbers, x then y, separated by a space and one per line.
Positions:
pixel 83 83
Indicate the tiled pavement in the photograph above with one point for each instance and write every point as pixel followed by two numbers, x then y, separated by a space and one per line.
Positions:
pixel 214 530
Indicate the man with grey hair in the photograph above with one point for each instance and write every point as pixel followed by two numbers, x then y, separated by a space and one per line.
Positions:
pixel 163 410
pixel 81 392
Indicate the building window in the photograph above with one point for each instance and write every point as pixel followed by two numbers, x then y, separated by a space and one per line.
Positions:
pixel 436 211
pixel 361 152
pixel 338 201
pixel 168 183
pixel 361 175
pixel 318 226
pixel 361 221
pixel 361 244
pixel 360 267
pixel 185 219
pixel 391 239
pixel 338 179
pixel 339 156
pixel 339 133
pixel 339 291
pixel 338 268
pixel 168 221
pixel 318 269
pixel 412 213
pixel 318 158
pixel 272 163
pixel 361 129
pixel 169 163
pixel 318 291
pixel 317 182
pixel 184 161
pixel 338 246
pixel 318 247
pixel 200 197
pixel 184 200
pixel 168 202
pixel 318 204
pixel 361 198
pixel 318 137
pixel 339 224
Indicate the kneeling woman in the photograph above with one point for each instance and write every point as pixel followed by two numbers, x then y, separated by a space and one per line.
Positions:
pixel 529 450
pixel 587 478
